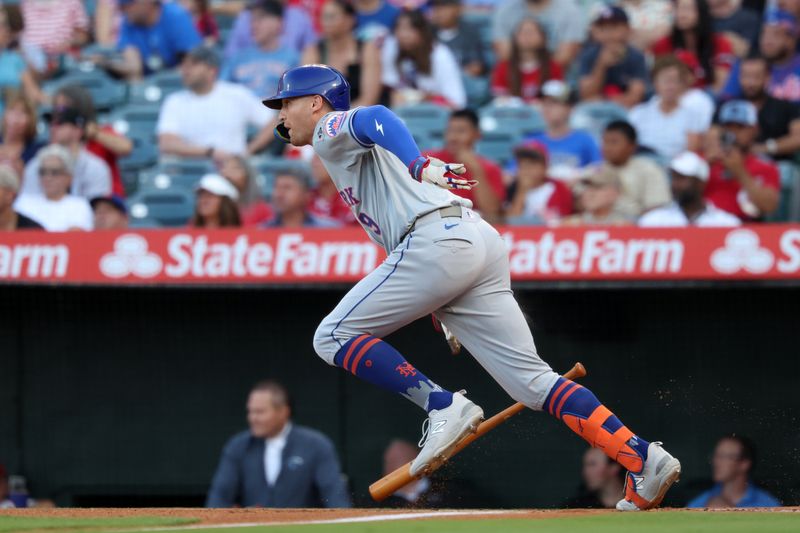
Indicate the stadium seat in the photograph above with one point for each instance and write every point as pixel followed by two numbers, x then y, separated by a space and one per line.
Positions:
pixel 424 118
pixel 143 223
pixel 515 120
pixel 154 89
pixel 428 141
pixel 789 205
pixel 498 146
pixel 169 208
pixel 106 92
pixel 174 174
pixel 135 120
pixel 477 91
pixel 594 116
pixel 484 23
pixel 144 154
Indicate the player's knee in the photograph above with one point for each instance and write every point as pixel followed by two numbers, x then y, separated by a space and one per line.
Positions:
pixel 325 344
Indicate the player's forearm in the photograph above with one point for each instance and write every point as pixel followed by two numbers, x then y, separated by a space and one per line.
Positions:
pixel 378 125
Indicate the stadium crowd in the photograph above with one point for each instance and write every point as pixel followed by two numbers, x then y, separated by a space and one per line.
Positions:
pixel 571 112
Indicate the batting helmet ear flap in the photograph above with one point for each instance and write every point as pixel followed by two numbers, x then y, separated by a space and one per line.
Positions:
pixel 281 133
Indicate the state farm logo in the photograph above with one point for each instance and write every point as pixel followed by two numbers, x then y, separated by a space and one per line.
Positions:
pixel 130 256
pixel 742 251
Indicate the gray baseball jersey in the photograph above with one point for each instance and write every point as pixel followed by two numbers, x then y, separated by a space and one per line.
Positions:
pixel 455 267
pixel 374 182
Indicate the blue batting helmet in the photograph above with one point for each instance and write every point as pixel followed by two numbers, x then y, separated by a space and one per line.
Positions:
pixel 307 80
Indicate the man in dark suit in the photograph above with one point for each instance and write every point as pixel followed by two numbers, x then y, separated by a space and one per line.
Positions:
pixel 276 463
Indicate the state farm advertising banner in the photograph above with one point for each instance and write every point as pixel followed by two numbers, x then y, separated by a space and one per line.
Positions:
pixel 344 256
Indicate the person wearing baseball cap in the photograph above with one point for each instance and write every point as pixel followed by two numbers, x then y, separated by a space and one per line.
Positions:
pixel 740 182
pixel 210 117
pixel 10 220
pixel 537 198
pixel 110 212
pixel 778 45
pixel 216 204
pixel 690 174
pixel 568 150
pixel 599 193
pixel 610 68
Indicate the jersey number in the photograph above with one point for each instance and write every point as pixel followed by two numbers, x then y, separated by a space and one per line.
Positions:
pixel 369 223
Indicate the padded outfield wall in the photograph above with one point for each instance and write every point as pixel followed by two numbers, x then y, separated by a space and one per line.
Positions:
pixel 125 396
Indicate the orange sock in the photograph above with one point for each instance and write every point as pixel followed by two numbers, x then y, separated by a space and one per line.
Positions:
pixel 583 413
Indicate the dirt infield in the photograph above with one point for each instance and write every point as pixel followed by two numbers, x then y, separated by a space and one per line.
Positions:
pixel 250 516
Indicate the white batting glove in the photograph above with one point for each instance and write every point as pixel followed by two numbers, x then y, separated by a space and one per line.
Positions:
pixel 441 174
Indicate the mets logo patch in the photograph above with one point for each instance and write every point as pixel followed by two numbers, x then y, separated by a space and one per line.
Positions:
pixel 334 123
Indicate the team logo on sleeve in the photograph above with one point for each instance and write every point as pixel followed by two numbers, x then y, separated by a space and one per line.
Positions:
pixel 334 123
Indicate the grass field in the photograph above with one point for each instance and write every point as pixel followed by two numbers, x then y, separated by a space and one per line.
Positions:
pixel 371 522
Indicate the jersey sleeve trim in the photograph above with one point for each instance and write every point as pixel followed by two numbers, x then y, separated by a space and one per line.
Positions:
pixel 351 127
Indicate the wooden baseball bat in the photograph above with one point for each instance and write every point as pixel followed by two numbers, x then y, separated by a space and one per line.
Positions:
pixel 392 482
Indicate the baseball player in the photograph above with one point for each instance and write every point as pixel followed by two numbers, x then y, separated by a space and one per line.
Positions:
pixel 442 259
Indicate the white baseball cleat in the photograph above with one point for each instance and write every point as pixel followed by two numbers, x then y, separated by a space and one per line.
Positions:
pixel 646 490
pixel 442 430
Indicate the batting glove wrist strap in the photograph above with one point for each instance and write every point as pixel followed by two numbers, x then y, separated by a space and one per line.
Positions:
pixel 417 166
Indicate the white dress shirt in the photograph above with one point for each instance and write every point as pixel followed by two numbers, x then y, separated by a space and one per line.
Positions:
pixel 273 454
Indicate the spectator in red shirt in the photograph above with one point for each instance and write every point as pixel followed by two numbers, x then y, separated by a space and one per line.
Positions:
pixel 462 134
pixel 693 32
pixel 326 202
pixel 537 199
pixel 740 183
pixel 252 206
pixel 101 141
pixel 529 65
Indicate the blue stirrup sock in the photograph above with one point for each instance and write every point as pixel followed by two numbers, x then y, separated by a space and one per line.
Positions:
pixel 580 409
pixel 375 361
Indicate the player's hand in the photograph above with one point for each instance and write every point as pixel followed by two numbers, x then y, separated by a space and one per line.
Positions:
pixel 441 174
